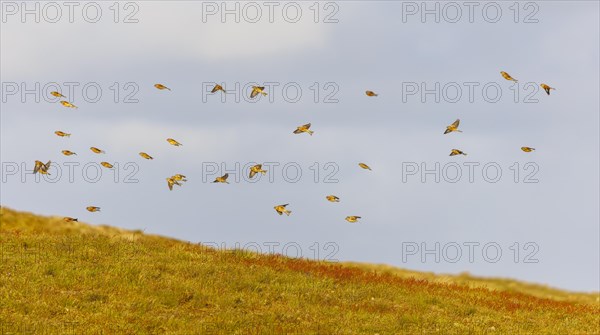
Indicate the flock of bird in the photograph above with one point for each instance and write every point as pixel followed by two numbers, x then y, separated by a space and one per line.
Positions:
pixel 43 168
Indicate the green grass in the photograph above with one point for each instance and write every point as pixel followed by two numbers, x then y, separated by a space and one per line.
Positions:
pixel 73 278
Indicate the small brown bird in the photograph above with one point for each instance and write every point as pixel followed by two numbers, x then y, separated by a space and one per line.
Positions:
pixel 41 167
pixel 161 87
pixel 547 88
pixel 171 181
pixel 257 90
pixel 456 152
pixel 57 94
pixel 68 104
pixel 280 209
pixel 371 94
pixel 257 169
pixel 97 151
pixel 453 127
pixel 332 198
pixel 304 129
pixel 93 209
pixel 217 88
pixel 352 218
pixel 69 219
pixel 364 166
pixel 527 149
pixel 68 153
pixel 222 179
pixel 106 165
pixel 508 77
pixel 179 177
pixel 173 142
pixel 145 155
pixel 62 134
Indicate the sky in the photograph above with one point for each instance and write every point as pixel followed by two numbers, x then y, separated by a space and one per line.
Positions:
pixel 497 211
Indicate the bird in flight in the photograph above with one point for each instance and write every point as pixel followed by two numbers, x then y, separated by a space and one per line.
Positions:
pixel 217 88
pixel 171 181
pixel 280 209
pixel 107 165
pixel 93 209
pixel 145 155
pixel 304 129
pixel 173 142
pixel 96 150
pixel 69 219
pixel 527 149
pixel 62 134
pixel 161 87
pixel 222 179
pixel 455 152
pixel 371 94
pixel 256 90
pixel 364 166
pixel 68 104
pixel 68 153
pixel 508 77
pixel 352 218
pixel 41 167
pixel 257 169
pixel 547 88
pixel 453 127
pixel 57 94
pixel 332 198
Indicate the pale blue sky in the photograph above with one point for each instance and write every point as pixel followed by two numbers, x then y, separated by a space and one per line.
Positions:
pixel 369 48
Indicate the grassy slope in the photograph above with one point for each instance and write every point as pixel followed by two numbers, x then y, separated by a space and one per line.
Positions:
pixel 58 277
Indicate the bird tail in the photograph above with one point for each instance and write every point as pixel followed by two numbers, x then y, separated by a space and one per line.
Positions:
pixel 67 135
pixel 460 131
pixel 264 172
pixel 264 93
pixel 310 132
pixel 288 212
pixel 464 154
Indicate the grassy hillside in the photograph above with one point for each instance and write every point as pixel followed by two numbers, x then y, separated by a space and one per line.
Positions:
pixel 58 277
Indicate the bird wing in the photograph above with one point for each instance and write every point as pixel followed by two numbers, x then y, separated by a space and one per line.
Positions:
pixel 38 164
pixel 254 93
pixel 297 131
pixel 252 173
pixel 306 125
pixel 225 176
pixel 456 123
